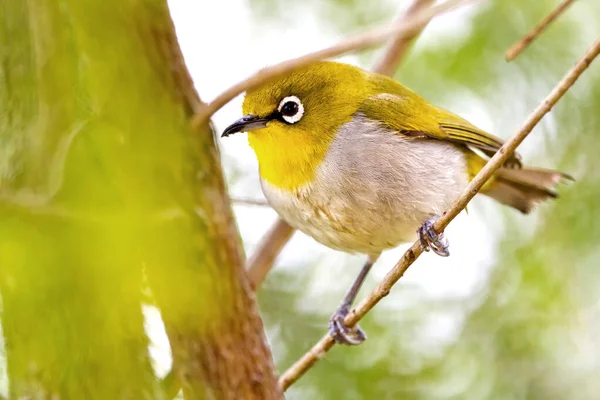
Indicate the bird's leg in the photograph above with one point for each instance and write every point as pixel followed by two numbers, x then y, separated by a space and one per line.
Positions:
pixel 431 240
pixel 340 332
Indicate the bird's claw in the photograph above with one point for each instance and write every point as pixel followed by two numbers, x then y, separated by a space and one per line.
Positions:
pixel 343 334
pixel 431 240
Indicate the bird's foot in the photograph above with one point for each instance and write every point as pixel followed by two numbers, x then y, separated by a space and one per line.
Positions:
pixel 431 240
pixel 340 332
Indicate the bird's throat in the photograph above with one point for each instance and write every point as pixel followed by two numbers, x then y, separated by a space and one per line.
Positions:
pixel 287 164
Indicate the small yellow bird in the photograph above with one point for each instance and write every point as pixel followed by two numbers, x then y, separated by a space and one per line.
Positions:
pixel 361 164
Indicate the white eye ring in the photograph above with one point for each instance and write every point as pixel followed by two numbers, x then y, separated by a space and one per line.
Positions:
pixel 291 118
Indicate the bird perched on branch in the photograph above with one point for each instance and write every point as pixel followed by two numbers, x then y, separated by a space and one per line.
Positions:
pixel 361 164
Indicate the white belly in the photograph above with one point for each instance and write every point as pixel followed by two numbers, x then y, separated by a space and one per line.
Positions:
pixel 373 189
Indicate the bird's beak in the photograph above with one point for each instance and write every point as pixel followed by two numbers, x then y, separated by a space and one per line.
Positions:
pixel 246 123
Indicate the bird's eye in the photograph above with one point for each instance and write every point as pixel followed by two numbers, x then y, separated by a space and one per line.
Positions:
pixel 291 109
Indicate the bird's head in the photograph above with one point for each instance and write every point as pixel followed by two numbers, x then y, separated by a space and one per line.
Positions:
pixel 293 119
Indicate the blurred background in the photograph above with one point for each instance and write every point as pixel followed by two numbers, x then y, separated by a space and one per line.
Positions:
pixel 514 312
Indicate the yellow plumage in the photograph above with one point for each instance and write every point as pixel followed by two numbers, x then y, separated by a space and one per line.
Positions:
pixel 332 94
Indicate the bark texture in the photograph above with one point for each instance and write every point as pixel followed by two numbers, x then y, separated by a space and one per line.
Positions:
pixel 106 190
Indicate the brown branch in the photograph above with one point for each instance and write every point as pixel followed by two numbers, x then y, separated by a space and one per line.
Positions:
pixel 326 342
pixel 522 44
pixel 249 202
pixel 264 257
pixel 397 48
pixel 361 41
pixel 203 343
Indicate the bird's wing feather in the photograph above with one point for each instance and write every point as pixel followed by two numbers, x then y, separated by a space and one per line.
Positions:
pixel 407 113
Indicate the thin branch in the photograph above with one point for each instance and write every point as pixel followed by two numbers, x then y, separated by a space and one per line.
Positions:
pixel 270 246
pixel 397 48
pixel 522 44
pixel 249 202
pixel 361 41
pixel 264 256
pixel 319 349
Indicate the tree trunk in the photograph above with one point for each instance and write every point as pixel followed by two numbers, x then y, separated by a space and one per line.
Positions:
pixel 104 191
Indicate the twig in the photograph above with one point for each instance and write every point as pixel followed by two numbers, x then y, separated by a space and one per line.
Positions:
pixel 270 246
pixel 522 44
pixel 361 41
pixel 319 349
pixel 249 202
pixel 397 48
pixel 264 256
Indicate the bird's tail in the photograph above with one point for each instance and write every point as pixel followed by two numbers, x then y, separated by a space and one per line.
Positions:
pixel 524 188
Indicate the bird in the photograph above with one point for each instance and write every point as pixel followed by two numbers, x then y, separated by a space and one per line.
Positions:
pixel 361 164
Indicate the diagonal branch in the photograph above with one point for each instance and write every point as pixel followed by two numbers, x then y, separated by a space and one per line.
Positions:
pixel 318 350
pixel 522 44
pixel 361 41
pixel 249 202
pixel 263 258
pixel 271 245
pixel 397 48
